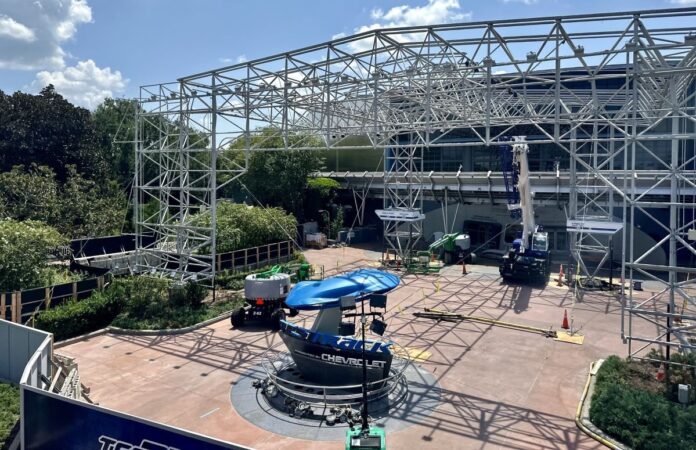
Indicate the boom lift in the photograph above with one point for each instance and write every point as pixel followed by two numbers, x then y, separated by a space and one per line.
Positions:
pixel 452 246
pixel 529 257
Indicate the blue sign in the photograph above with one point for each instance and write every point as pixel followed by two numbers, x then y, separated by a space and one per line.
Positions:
pixel 334 341
pixel 54 422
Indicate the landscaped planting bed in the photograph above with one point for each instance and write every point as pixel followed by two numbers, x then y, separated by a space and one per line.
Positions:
pixel 632 406
pixel 9 413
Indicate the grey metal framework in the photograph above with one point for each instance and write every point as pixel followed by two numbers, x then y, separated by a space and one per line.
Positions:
pixel 603 87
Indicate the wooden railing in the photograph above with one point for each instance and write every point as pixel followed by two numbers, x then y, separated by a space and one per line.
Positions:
pixel 21 306
pixel 255 257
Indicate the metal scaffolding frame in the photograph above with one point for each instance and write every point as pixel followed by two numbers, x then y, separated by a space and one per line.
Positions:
pixel 602 87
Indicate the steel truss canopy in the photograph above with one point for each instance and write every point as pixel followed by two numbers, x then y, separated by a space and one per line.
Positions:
pixel 612 90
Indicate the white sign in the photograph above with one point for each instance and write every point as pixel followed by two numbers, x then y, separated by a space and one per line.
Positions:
pixel 593 226
pixel 403 215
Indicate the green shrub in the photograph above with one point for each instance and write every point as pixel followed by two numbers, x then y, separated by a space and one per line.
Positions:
pixel 638 418
pixel 323 186
pixel 24 247
pixel 142 295
pixel 75 318
pixel 240 226
pixel 9 411
pixel 132 303
pixel 189 295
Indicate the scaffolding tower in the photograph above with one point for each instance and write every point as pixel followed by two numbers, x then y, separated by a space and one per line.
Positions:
pixel 604 88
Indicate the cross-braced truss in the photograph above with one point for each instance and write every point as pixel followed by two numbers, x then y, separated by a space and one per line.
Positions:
pixel 615 91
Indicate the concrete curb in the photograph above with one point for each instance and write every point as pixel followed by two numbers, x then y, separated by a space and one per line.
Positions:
pixel 125 331
pixel 582 415
pixel 171 331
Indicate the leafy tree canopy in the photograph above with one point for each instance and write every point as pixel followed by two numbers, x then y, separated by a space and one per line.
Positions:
pixel 24 247
pixel 278 178
pixel 47 130
pixel 77 208
pixel 323 186
pixel 241 226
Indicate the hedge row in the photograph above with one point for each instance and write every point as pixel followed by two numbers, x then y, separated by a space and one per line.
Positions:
pixel 638 418
pixel 127 300
pixel 75 318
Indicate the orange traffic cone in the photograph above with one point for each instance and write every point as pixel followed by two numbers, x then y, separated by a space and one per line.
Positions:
pixel 565 325
pixel 660 373
pixel 560 276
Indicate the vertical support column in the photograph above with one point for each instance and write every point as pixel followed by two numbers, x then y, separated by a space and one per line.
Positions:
pixel 673 217
pixel 575 263
pixel 213 177
pixel 635 77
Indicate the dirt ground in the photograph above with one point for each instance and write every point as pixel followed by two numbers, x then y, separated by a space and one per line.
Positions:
pixel 499 388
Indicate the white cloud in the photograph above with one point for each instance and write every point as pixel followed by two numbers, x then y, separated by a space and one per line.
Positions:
pixel 83 84
pixel 15 30
pixel 683 2
pixel 32 32
pixel 434 12
pixel 240 59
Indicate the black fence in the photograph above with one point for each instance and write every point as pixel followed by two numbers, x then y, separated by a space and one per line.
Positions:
pixel 252 258
pixel 21 306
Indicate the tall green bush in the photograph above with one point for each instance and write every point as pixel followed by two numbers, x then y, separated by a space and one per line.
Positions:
pixel 241 226
pixel 24 248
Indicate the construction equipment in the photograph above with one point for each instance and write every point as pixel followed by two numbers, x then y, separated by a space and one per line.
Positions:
pixel 265 293
pixel 451 247
pixel 529 257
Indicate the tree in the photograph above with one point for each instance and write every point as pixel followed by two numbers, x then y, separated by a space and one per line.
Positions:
pixel 114 124
pixel 30 194
pixel 24 247
pixel 78 208
pixel 323 186
pixel 278 178
pixel 47 130
pixel 89 209
pixel 241 226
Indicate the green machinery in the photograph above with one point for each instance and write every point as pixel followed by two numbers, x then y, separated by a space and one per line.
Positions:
pixel 374 439
pixel 265 292
pixel 450 248
pixel 298 272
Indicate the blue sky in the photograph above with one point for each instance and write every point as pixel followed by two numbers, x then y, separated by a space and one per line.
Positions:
pixel 91 49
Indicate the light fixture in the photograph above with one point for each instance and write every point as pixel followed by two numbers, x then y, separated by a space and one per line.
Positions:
pixel 378 327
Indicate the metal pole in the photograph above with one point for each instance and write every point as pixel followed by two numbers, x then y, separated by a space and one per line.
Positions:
pixel 365 425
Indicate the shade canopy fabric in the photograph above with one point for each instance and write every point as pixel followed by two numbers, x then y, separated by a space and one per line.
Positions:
pixel 308 295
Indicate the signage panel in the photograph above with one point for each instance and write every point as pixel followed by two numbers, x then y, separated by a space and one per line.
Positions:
pixel 50 421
